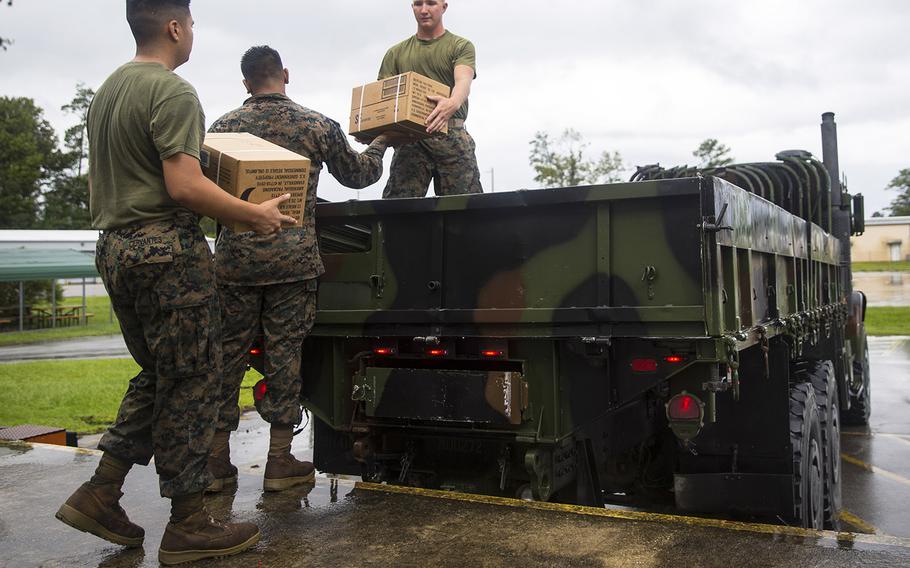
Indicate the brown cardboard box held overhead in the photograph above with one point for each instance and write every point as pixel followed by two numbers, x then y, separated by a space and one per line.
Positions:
pixel 256 170
pixel 398 103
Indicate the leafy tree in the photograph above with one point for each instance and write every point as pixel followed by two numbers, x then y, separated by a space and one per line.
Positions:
pixel 66 203
pixel 901 204
pixel 713 154
pixel 75 138
pixel 562 162
pixel 29 159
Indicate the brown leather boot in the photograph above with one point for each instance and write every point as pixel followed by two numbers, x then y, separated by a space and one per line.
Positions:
pixel 96 509
pixel 285 472
pixel 200 536
pixel 224 473
pixel 282 470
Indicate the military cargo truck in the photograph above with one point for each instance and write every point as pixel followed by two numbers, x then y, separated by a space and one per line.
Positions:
pixel 690 333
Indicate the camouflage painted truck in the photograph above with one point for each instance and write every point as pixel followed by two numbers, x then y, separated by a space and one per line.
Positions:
pixel 690 333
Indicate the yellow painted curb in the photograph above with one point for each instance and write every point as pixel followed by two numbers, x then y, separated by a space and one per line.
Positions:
pixel 759 528
pixel 858 523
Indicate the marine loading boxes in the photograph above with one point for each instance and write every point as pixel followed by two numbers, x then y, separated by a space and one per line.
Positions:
pixel 398 103
pixel 256 170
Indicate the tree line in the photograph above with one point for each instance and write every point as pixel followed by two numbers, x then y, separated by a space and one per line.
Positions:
pixel 43 184
pixel 564 161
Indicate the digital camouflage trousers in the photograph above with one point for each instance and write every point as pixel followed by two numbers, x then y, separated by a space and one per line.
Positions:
pixel 285 314
pixel 160 278
pixel 449 161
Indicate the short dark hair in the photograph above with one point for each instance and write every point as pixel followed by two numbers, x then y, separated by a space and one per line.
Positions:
pixel 260 64
pixel 146 17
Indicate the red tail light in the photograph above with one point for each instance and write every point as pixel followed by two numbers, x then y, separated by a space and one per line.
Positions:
pixel 437 352
pixel 384 351
pixel 259 390
pixel 255 351
pixel 644 365
pixel 684 406
pixel 675 359
pixel 493 353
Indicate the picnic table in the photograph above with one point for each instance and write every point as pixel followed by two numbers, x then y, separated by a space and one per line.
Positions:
pixel 61 316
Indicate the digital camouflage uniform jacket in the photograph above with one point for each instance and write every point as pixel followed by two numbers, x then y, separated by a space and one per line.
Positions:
pixel 245 259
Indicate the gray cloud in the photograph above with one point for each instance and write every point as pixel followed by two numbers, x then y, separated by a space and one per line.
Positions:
pixel 650 78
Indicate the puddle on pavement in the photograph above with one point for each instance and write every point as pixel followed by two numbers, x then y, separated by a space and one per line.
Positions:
pixel 884 288
pixel 13 449
pixel 325 492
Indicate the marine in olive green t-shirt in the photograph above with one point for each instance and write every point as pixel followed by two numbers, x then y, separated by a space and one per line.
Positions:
pixel 448 160
pixel 433 58
pixel 142 114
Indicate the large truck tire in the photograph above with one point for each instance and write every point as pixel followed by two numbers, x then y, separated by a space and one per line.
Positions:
pixel 808 458
pixel 861 399
pixel 821 375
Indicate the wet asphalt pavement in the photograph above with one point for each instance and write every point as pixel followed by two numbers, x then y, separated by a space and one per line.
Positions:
pixel 876 459
pixel 336 524
pixel 101 347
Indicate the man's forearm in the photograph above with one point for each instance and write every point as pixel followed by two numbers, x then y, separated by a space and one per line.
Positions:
pixel 355 169
pixel 378 146
pixel 460 91
pixel 187 185
pixel 206 198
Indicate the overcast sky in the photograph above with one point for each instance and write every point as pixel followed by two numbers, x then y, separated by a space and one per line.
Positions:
pixel 647 78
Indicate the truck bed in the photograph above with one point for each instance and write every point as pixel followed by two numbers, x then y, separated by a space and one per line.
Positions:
pixel 554 263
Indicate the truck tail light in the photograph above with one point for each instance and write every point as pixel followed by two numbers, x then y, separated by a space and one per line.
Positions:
pixel 255 351
pixel 675 359
pixel 642 365
pixel 493 353
pixel 686 414
pixel 437 352
pixel 684 407
pixel 384 351
pixel 259 390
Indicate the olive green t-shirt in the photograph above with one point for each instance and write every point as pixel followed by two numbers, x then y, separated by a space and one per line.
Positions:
pixel 433 58
pixel 142 114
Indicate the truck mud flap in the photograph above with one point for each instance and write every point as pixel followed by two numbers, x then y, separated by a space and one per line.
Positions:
pixel 754 493
pixel 496 398
pixel 332 450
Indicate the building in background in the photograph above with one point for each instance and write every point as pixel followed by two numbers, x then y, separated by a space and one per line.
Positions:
pixel 50 239
pixel 886 239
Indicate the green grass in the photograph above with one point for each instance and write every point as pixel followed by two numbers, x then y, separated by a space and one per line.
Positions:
pixel 99 324
pixel 888 320
pixel 81 396
pixel 898 266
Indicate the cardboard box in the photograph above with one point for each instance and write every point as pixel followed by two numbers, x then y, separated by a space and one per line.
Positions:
pixel 398 103
pixel 256 170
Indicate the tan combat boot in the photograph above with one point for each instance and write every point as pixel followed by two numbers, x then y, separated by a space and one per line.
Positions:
pixel 282 470
pixel 224 473
pixel 96 509
pixel 197 535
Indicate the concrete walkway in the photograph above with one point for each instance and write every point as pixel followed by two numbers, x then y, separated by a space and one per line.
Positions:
pixel 101 347
pixel 337 523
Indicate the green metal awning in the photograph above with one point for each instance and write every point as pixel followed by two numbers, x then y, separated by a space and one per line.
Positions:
pixel 17 265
